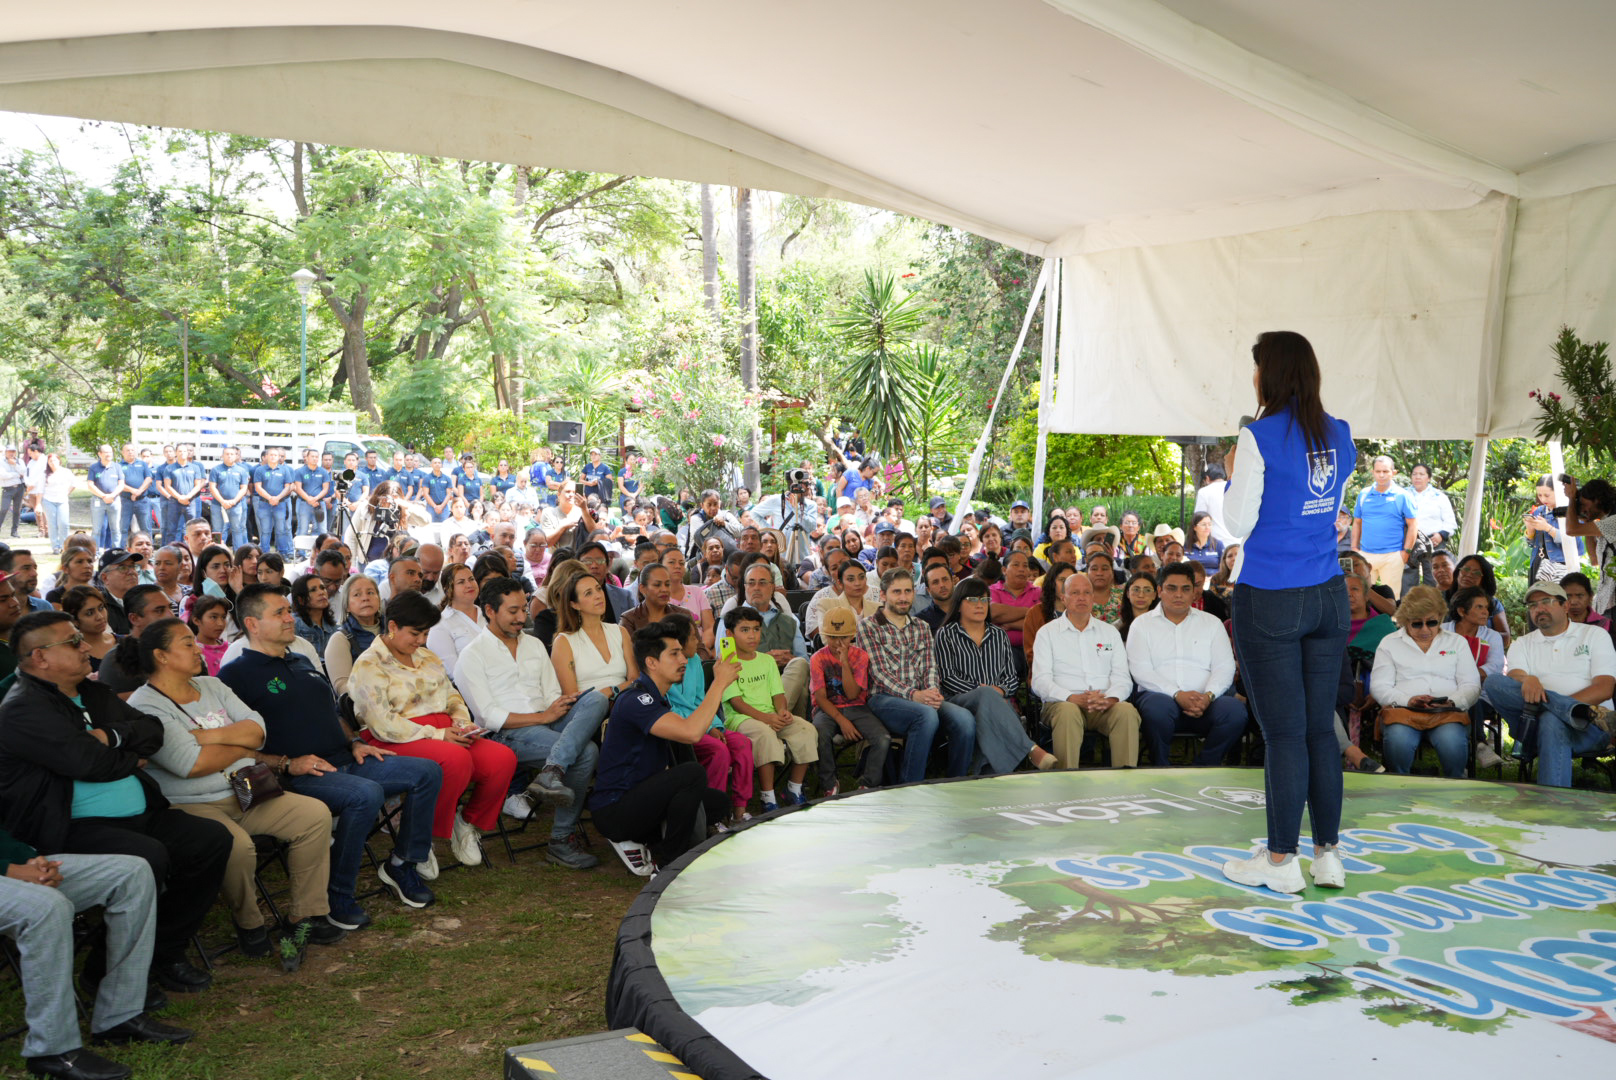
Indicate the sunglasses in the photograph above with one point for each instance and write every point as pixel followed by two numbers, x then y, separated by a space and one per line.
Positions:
pixel 1425 624
pixel 76 640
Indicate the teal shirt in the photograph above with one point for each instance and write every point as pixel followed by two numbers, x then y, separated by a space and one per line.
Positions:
pixel 686 695
pixel 113 799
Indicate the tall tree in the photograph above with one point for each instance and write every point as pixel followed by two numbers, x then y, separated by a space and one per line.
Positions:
pixel 709 257
pixel 746 278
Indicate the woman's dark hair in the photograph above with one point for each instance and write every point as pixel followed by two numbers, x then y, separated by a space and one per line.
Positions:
pixel 1489 580
pixel 271 560
pixel 1127 605
pixel 1577 578
pixel 1599 492
pixel 488 563
pixel 239 556
pixel 1057 518
pixel 412 611
pixel 199 571
pixel 1051 588
pixel 300 600
pixel 988 569
pixel 200 606
pixel 136 654
pixel 1195 519
pixel 74 599
pixel 385 489
pixel 1288 377
pixel 446 583
pixel 965 590
pixel 1463 598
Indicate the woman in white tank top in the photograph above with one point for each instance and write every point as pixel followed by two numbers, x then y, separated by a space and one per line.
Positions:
pixel 589 653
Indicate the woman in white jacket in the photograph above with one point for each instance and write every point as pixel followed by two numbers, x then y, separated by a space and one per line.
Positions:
pixel 1425 679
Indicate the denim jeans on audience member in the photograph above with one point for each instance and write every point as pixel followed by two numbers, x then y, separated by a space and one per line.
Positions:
pixel 104 524
pixel 311 520
pixel 1560 737
pixel 274 528
pixel 1451 741
pixel 918 725
pixel 355 793
pixel 1160 718
pixel 569 743
pixel 1290 644
pixel 56 521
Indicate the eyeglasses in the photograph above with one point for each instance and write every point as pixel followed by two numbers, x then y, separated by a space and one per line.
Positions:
pixel 1545 602
pixel 76 640
pixel 1425 624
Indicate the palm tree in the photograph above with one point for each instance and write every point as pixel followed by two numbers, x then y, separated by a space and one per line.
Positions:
pixel 939 410
pixel 877 382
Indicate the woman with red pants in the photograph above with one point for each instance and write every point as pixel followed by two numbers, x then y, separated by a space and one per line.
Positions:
pixel 407 705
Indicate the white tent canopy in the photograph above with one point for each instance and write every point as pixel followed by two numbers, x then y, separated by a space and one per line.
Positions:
pixel 1427 190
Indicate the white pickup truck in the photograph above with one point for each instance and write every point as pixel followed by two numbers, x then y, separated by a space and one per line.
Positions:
pixel 255 430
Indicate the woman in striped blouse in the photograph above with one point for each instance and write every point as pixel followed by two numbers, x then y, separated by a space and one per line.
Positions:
pixel 977 668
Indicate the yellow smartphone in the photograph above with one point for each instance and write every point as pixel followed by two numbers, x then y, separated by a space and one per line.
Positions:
pixel 726 648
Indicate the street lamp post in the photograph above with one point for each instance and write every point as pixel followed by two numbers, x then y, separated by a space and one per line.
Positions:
pixel 303 279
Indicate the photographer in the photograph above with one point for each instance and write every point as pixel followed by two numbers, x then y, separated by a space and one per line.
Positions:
pixel 1543 533
pixel 794 514
pixel 706 522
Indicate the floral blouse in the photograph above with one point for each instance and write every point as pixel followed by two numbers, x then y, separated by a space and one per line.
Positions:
pixel 388 695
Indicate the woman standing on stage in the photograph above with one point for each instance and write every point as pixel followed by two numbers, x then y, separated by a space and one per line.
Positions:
pixel 1291 616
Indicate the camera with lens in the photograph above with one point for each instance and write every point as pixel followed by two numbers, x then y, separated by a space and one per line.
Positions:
pixel 798 482
pixel 342 480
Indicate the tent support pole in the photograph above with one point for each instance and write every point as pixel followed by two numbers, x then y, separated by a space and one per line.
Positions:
pixel 1046 389
pixel 1470 528
pixel 975 469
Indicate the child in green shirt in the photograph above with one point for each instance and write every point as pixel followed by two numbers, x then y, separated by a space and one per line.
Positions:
pixel 758 711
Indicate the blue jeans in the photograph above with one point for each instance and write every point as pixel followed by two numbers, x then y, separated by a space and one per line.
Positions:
pixel 1160 719
pixel 231 523
pixel 918 725
pixel 311 520
pixel 1560 736
pixel 1290 644
pixel 104 523
pixel 999 732
pixel 568 743
pixel 355 793
pixel 56 521
pixel 144 514
pixel 1452 743
pixel 274 528
pixel 12 500
pixel 173 519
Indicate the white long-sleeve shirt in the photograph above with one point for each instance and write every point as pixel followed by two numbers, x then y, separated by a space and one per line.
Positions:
pixel 1243 498
pixel 1494 641
pixel 1210 498
pixel 1403 670
pixel 1067 661
pixel 1433 511
pixel 496 684
pixel 1168 657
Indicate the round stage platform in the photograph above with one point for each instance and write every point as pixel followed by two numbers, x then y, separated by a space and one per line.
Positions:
pixel 1076 924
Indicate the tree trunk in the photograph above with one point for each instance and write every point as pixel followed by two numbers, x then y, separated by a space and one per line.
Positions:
pixel 709 256
pixel 746 278
pixel 350 316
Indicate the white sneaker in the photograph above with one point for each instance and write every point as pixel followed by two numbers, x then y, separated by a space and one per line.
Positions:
pixel 1328 873
pixel 517 806
pixel 1285 877
pixel 429 869
pixel 637 857
pixel 466 842
pixel 1486 756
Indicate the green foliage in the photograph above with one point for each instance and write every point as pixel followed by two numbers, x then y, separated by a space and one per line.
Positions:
pixel 1587 424
pixel 416 406
pixel 488 435
pixel 877 387
pixel 107 423
pixel 694 424
pixel 941 434
pixel 1096 464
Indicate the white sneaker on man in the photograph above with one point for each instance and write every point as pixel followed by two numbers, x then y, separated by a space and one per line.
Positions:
pixel 1486 756
pixel 635 856
pixel 517 806
pixel 429 869
pixel 466 842
pixel 1285 877
pixel 1328 872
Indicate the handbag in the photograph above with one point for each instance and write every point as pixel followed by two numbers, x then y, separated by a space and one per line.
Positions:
pixel 254 784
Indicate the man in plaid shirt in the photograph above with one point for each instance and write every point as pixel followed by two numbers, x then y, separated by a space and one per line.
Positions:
pixel 904 691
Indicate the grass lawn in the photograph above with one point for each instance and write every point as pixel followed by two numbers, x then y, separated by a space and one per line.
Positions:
pixel 507 955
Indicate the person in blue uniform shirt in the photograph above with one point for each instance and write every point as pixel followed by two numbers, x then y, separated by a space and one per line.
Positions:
pixel 137 484
pixel 272 483
pixel 106 484
pixel 231 485
pixel 468 484
pixel 310 485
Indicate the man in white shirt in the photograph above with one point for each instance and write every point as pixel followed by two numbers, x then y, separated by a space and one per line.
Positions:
pixel 1080 671
pixel 1557 687
pixel 1433 519
pixel 1210 499
pixel 13 489
pixel 1181 662
pixel 510 686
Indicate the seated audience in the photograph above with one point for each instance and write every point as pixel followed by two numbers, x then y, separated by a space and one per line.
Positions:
pixel 1473 572
pixel 725 754
pixel 1557 687
pixel 1139 596
pixel 1469 612
pixel 1580 599
pixel 514 694
pixel 589 653
pixel 1051 605
pixel 208 733
pixel 640 796
pixel 308 743
pixel 691 597
pixel 311 604
pixel 361 623
pixel 905 692
pixel 39 897
pixel 839 676
pixel 1181 661
pixel 939 581
pixel 88 610
pixel 1080 672
pixel 459 620
pixel 408 705
pixel 1201 546
pixel 70 780
pixel 1425 681
pixel 1012 597
pixel 756 707
pixel 782 640
pixel 1108 597
pixel 976 666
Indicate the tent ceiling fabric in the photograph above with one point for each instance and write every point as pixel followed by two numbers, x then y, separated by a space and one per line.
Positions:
pixel 1143 141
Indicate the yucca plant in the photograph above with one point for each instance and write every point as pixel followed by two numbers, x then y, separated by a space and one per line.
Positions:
pixel 878 383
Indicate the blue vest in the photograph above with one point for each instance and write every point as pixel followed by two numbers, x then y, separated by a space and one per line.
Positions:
pixel 1292 546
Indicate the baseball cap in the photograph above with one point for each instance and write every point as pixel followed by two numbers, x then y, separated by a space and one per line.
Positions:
pixel 1547 588
pixel 838 621
pixel 885 527
pixel 936 501
pixel 1020 504
pixel 114 556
